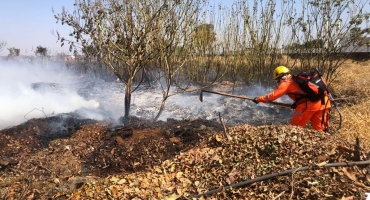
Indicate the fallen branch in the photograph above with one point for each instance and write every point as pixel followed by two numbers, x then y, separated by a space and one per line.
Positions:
pixel 262 178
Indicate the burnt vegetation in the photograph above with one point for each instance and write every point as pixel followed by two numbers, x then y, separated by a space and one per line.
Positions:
pixel 168 45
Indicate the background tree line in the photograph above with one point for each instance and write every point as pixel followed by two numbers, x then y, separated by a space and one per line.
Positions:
pixel 175 44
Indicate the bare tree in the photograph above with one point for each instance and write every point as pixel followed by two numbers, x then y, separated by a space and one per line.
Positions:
pixel 326 32
pixel 122 33
pixel 179 36
pixel 250 38
pixel 2 45
pixel 319 34
pixel 173 46
pixel 129 36
pixel 132 36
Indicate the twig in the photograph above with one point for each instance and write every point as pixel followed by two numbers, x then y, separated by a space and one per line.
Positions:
pixel 42 167
pixel 344 98
pixel 357 150
pixel 38 110
pixel 292 183
pixel 224 126
pixel 279 195
pixel 24 189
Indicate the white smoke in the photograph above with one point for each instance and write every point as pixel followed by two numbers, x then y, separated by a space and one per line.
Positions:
pixel 20 100
pixel 28 91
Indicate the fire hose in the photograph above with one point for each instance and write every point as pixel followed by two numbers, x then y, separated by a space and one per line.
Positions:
pixel 262 178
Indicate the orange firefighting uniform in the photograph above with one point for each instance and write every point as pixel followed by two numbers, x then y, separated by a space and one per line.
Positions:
pixel 305 110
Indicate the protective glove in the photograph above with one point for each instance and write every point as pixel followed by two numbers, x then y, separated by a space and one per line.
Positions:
pixel 255 100
pixel 293 106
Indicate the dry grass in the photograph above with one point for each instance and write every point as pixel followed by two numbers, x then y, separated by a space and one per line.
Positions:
pixel 354 81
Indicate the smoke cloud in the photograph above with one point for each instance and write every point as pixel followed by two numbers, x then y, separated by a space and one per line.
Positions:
pixel 29 91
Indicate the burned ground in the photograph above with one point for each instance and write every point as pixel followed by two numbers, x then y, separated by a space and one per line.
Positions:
pixel 47 156
pixel 64 157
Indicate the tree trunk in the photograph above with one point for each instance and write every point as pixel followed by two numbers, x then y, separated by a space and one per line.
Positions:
pixel 128 98
pixel 165 96
pixel 160 110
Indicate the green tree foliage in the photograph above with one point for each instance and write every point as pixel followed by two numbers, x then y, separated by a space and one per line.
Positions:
pixel 311 44
pixel 13 51
pixel 364 41
pixel 315 43
pixel 41 51
pixel 357 36
pixel 203 37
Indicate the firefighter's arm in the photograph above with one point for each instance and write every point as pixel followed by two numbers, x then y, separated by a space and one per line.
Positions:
pixel 280 91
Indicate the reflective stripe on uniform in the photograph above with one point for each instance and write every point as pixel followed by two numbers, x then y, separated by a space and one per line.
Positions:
pixel 313 84
pixel 267 98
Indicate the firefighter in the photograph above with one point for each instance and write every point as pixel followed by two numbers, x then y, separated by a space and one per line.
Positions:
pixel 304 110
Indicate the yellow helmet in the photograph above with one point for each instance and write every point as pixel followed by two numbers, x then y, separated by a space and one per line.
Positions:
pixel 280 71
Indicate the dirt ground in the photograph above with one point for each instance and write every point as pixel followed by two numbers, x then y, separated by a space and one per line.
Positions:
pixel 64 157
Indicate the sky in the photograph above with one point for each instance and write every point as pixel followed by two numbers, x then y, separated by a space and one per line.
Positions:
pixel 26 24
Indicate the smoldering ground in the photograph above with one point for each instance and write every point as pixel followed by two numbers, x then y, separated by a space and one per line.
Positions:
pixel 31 91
